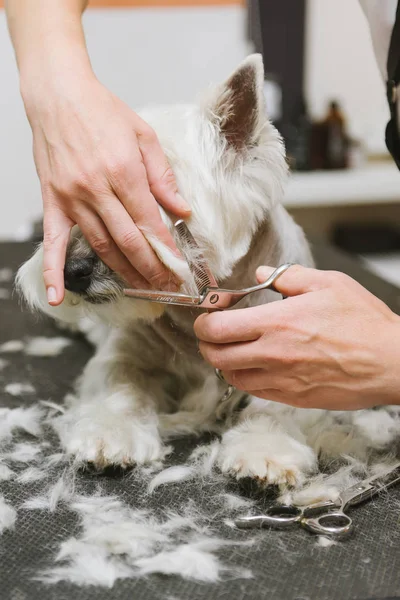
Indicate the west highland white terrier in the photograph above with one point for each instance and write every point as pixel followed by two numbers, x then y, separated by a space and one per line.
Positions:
pixel 147 381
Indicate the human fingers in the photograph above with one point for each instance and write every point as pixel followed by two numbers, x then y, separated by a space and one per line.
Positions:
pixel 226 327
pixel 105 248
pixel 57 227
pixel 160 175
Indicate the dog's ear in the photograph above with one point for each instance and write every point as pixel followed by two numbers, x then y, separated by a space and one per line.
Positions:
pixel 240 104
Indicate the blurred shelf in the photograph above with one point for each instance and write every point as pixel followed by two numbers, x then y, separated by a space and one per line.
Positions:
pixel 386 266
pixel 375 183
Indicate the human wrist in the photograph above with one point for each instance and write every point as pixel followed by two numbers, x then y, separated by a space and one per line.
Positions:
pixel 53 47
pixel 46 75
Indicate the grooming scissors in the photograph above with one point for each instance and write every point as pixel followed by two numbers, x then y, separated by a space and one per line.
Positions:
pixel 209 296
pixel 324 518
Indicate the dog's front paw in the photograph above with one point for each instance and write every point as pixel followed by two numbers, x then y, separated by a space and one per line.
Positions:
pixel 260 449
pixel 111 440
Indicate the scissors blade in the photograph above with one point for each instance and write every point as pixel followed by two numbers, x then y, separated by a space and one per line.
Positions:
pixel 365 489
pixel 202 274
pixel 264 521
pixel 163 297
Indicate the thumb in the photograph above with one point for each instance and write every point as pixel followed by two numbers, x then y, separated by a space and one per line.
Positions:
pixel 295 280
pixel 57 227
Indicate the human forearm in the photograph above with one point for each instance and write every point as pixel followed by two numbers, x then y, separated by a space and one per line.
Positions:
pixel 48 37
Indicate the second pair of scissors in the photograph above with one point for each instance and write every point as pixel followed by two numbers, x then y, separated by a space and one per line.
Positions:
pixel 324 518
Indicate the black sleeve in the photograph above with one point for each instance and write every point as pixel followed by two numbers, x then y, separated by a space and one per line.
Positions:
pixel 393 91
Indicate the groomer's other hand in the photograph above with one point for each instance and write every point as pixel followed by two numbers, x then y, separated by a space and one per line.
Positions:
pixel 101 167
pixel 331 344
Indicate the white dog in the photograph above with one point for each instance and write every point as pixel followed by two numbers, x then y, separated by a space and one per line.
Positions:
pixel 147 381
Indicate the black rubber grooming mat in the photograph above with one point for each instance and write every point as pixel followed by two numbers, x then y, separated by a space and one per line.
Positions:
pixel 287 565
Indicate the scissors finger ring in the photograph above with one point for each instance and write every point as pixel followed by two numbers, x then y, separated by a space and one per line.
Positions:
pixel 218 373
pixel 276 274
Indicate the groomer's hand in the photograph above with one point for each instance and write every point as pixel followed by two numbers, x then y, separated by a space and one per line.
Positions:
pixel 100 166
pixel 331 344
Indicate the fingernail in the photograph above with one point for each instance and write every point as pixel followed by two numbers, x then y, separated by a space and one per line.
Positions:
pixel 263 273
pixel 182 203
pixel 51 295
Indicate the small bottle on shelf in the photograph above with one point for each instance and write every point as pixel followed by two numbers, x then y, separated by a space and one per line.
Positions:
pixel 336 138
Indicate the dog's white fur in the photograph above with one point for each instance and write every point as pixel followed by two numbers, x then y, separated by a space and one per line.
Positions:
pixel 147 381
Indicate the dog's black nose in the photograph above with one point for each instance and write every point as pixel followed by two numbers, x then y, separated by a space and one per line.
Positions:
pixel 77 273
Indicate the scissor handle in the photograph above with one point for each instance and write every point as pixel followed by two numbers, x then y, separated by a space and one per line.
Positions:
pixel 335 523
pixel 220 299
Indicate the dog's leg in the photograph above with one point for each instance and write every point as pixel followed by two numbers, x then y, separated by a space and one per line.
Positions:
pixel 266 446
pixel 112 428
pixel 113 421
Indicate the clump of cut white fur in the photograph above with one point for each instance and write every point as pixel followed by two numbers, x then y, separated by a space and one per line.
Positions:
pixel 6 473
pixel 45 346
pixel 30 475
pixel 118 542
pixel 325 542
pixel 201 464
pixel 193 560
pixel 19 389
pixel 14 422
pixel 28 420
pixel 37 346
pixel 8 515
pixel 171 475
pixel 24 452
pixel 60 491
pixel 234 502
pixel 12 346
pixel 86 565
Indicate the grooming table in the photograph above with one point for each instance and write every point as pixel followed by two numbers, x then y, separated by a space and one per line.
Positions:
pixel 287 565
